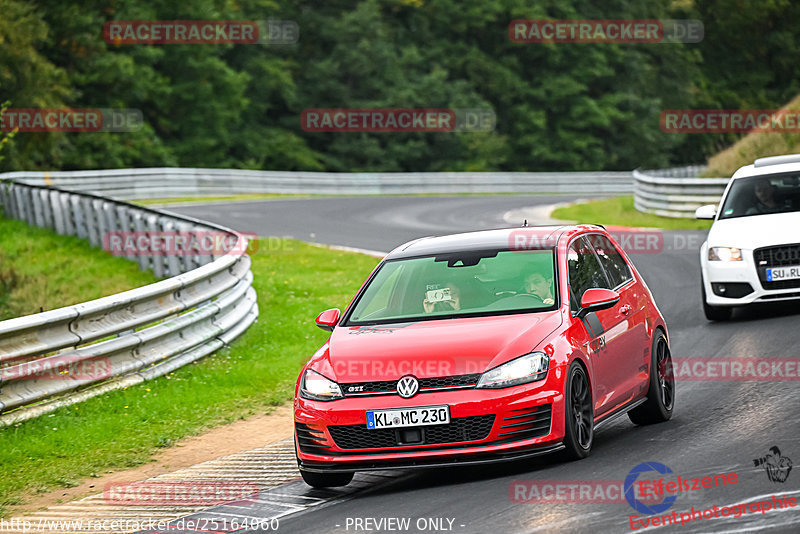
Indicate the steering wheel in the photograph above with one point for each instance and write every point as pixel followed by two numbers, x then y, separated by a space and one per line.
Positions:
pixel 524 299
pixel 529 295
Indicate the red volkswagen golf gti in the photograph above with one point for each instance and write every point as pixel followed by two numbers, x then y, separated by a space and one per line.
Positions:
pixel 481 347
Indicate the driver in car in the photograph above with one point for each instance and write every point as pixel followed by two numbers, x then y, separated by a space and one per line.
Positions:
pixel 765 199
pixel 538 285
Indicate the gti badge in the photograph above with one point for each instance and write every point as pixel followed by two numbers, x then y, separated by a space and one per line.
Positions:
pixel 407 386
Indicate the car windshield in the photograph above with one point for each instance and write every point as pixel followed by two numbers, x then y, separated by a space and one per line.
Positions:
pixel 761 195
pixel 459 284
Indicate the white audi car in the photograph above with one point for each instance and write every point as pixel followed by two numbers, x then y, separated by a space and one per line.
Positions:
pixel 752 253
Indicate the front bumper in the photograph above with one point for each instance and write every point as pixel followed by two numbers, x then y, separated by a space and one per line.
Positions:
pixel 739 272
pixel 528 420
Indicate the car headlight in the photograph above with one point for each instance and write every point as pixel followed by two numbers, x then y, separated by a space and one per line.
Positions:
pixel 316 387
pixel 528 368
pixel 724 254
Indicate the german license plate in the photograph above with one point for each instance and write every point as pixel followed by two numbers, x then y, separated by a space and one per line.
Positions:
pixel 783 273
pixel 400 417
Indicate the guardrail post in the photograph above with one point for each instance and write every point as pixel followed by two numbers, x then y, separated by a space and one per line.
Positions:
pixel 4 198
pixel 58 212
pixel 126 227
pixel 139 225
pixel 16 201
pixel 90 218
pixel 47 209
pixel 27 199
pixel 79 215
pixel 173 263
pixel 9 206
pixel 188 259
pixel 99 209
pixel 157 259
pixel 38 210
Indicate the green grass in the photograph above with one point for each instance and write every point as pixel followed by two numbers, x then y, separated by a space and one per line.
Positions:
pixel 123 429
pixel 619 211
pixel 40 270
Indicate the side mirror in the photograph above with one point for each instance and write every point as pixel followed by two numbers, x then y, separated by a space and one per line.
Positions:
pixel 708 211
pixel 328 319
pixel 596 300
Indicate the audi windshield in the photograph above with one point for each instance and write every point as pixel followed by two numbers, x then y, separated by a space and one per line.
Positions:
pixel 456 285
pixel 762 195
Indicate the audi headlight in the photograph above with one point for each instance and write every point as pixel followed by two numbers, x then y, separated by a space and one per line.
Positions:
pixel 724 254
pixel 528 368
pixel 316 387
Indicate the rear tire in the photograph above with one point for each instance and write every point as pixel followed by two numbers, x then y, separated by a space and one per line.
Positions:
pixel 661 393
pixel 326 480
pixel 578 414
pixel 715 313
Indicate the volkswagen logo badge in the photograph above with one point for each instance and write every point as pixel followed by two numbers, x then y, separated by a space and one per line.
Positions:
pixel 408 386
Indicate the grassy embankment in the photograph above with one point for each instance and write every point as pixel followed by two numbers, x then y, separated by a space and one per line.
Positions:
pixel 753 146
pixel 41 270
pixel 123 429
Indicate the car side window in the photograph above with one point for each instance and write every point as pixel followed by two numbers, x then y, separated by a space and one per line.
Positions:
pixel 585 271
pixel 612 261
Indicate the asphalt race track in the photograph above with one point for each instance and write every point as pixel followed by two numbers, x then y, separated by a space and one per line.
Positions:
pixel 718 426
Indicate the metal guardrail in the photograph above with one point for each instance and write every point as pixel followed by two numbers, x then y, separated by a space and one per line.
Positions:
pixel 131 336
pixel 675 192
pixel 177 182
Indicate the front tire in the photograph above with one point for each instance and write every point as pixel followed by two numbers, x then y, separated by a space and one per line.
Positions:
pixel 661 393
pixel 579 414
pixel 326 480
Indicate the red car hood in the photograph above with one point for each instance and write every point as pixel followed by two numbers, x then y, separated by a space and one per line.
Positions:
pixel 431 348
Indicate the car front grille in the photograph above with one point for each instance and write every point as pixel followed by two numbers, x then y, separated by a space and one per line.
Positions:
pixel 460 429
pixel 526 423
pixel 780 256
pixel 311 440
pixel 426 385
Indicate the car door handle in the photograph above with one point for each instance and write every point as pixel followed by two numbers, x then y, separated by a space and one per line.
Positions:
pixel 626 309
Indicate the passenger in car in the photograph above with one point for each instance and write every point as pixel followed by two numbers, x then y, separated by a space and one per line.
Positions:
pixel 442 298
